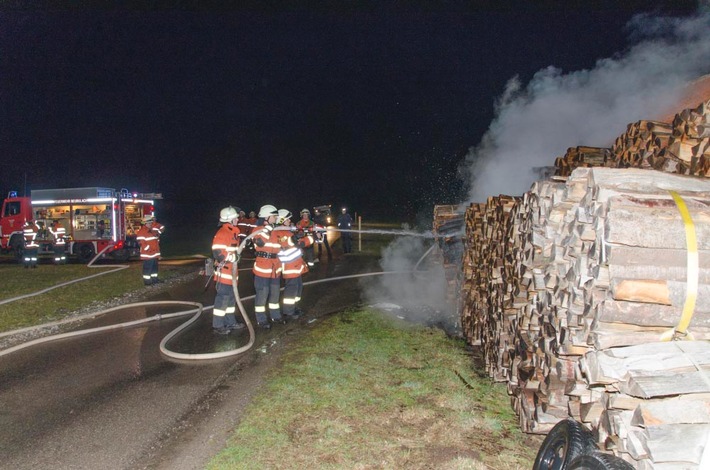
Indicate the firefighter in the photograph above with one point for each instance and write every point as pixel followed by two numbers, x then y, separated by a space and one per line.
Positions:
pixel 246 226
pixel 31 250
pixel 305 227
pixel 224 251
pixel 322 220
pixel 267 268
pixel 345 223
pixel 149 238
pixel 292 265
pixel 60 242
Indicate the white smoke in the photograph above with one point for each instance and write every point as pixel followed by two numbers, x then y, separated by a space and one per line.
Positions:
pixel 420 291
pixel 537 122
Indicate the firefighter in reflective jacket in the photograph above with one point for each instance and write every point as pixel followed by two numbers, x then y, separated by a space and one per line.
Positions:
pixel 246 226
pixel 224 251
pixel 305 227
pixel 292 264
pixel 149 238
pixel 60 242
pixel 267 268
pixel 31 251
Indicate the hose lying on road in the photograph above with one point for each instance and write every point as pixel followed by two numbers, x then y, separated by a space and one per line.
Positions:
pixel 196 310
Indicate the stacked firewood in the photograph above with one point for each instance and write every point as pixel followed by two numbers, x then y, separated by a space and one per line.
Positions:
pixel 682 147
pixel 487 226
pixel 654 406
pixel 582 157
pixel 448 232
pixel 582 267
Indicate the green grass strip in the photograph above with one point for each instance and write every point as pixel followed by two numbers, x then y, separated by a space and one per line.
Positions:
pixel 56 304
pixel 366 391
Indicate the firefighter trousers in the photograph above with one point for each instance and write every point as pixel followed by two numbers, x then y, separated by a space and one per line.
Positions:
pixel 268 289
pixel 293 287
pixel 150 271
pixel 225 307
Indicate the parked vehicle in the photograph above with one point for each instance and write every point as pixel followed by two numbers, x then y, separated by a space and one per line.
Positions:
pixel 95 219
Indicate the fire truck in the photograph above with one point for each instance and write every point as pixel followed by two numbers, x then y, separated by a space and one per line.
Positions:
pixel 95 219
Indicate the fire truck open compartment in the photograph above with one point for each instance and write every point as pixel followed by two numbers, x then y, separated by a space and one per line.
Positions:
pixel 95 219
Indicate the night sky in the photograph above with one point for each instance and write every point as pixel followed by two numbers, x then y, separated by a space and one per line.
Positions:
pixel 370 106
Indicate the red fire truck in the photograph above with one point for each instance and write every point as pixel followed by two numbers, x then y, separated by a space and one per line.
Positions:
pixel 94 219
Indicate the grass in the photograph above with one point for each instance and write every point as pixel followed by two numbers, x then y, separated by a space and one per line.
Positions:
pixel 60 302
pixel 365 391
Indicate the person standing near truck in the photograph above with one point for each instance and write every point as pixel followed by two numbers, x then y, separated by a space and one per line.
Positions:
pixel 30 253
pixel 224 250
pixel 149 238
pixel 60 242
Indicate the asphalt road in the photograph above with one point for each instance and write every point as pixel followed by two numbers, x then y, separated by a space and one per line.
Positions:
pixel 111 400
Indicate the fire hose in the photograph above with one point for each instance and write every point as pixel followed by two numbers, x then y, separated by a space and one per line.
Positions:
pixel 118 267
pixel 196 310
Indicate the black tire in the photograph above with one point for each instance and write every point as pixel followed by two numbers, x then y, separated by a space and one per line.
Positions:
pixel 566 441
pixel 121 255
pixel 85 252
pixel 599 461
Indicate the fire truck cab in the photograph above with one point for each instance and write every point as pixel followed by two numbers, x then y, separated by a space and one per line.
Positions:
pixel 95 219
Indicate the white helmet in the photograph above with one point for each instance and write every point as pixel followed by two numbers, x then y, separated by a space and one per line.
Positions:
pixel 228 214
pixel 284 214
pixel 267 211
pixel 305 211
pixel 148 218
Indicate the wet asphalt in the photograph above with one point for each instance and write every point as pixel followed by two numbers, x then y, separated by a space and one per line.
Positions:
pixel 112 400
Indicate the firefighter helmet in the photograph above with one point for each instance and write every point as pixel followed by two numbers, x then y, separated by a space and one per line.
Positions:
pixel 284 214
pixel 305 211
pixel 267 211
pixel 228 214
pixel 148 218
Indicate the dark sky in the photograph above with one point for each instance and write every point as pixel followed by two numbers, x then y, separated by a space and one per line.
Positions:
pixel 369 106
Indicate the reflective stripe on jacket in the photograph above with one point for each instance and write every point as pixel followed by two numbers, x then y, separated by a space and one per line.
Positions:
pixel 269 241
pixel 149 239
pixel 291 256
pixel 225 241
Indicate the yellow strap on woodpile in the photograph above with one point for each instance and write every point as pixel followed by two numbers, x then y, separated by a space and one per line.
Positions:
pixel 681 330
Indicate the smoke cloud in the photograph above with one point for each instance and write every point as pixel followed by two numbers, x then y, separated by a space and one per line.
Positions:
pixel 537 122
pixel 419 296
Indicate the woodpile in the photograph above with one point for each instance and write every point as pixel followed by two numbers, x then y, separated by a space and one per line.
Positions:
pixel 582 157
pixel 573 289
pixel 448 231
pixel 682 147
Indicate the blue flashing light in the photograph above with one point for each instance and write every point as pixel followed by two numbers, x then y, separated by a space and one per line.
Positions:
pixel 12 194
